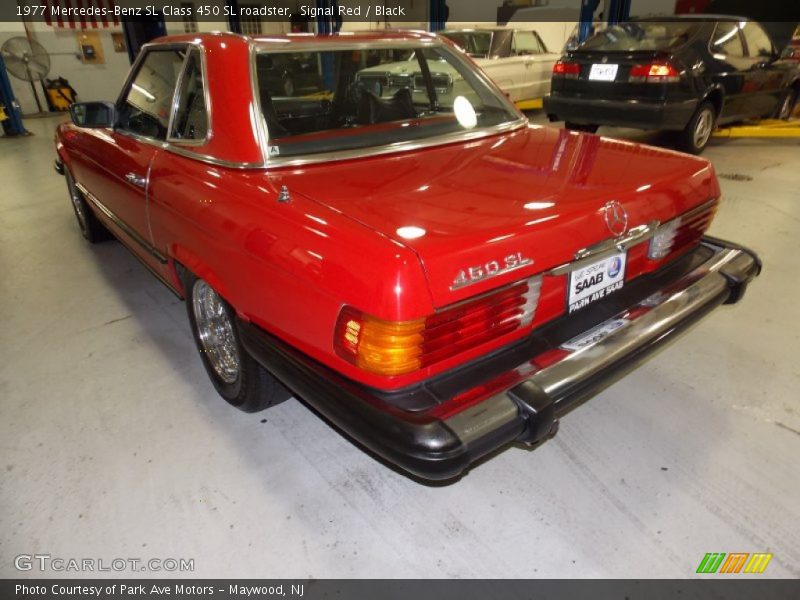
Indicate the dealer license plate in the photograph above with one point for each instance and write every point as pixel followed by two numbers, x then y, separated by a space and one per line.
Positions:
pixel 603 72
pixel 594 335
pixel 595 281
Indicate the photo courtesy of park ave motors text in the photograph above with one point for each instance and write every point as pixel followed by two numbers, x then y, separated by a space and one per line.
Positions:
pixel 350 291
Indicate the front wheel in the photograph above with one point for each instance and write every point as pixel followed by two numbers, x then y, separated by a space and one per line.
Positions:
pixel 91 228
pixel 694 138
pixel 238 378
pixel 578 127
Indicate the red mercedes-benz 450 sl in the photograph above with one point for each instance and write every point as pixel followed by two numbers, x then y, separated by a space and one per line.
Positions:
pixel 367 221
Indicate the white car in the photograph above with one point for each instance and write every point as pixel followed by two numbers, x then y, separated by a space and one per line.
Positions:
pixel 516 59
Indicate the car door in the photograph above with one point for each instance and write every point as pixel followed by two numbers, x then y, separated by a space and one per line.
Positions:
pixel 144 111
pixel 730 68
pixel 537 65
pixel 766 74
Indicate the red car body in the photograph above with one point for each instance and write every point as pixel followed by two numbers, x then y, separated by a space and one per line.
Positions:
pixel 291 243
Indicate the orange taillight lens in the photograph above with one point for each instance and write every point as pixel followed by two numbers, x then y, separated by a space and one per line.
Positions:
pixel 399 347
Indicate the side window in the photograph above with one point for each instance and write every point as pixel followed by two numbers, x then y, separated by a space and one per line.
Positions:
pixel 525 42
pixel 146 107
pixel 191 118
pixel 759 44
pixel 727 40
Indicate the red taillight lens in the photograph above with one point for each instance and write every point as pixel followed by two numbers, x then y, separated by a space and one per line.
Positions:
pixel 566 69
pixel 682 231
pixel 398 347
pixel 654 73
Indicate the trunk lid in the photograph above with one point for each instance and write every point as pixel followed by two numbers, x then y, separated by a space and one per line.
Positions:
pixel 536 193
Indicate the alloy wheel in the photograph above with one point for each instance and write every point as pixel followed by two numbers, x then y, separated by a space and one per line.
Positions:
pixel 215 330
pixel 703 128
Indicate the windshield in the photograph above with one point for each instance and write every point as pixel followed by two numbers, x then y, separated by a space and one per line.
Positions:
pixel 475 43
pixel 641 35
pixel 330 100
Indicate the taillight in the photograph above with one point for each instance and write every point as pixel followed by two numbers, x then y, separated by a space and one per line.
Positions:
pixel 654 73
pixel 682 231
pixel 398 347
pixel 566 69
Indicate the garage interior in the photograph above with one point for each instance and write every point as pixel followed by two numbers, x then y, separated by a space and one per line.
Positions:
pixel 115 443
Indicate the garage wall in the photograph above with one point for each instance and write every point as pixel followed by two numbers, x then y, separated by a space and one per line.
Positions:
pixel 91 81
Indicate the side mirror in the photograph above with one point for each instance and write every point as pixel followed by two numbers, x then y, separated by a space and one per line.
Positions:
pixel 93 114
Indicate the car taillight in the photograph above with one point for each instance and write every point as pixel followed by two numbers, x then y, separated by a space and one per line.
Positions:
pixel 566 69
pixel 399 347
pixel 681 231
pixel 654 73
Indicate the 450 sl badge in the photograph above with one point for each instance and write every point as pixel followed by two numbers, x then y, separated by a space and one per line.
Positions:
pixel 493 268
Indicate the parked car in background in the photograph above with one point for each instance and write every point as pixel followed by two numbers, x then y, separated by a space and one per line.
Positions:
pixel 517 60
pixel 434 275
pixel 792 50
pixel 688 75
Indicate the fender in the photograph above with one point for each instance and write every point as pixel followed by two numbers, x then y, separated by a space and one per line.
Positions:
pixel 183 257
pixel 713 88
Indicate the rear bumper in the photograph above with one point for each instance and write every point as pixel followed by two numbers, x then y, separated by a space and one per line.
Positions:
pixel 619 113
pixel 526 410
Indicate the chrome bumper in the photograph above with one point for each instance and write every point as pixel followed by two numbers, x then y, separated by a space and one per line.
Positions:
pixel 551 392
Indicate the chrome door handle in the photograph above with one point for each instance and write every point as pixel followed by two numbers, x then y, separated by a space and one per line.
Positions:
pixel 136 180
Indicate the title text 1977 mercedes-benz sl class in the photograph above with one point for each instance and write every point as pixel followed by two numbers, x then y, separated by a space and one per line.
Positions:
pixel 430 272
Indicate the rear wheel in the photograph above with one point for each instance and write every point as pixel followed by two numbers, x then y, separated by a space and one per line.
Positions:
pixel 579 127
pixel 235 374
pixel 695 136
pixel 786 106
pixel 91 228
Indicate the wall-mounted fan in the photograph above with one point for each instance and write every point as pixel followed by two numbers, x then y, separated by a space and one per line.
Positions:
pixel 27 60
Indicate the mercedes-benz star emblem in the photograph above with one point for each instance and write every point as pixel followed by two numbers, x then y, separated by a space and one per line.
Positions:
pixel 616 217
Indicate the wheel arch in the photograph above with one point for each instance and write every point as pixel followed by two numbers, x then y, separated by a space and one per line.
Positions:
pixel 715 95
pixel 183 259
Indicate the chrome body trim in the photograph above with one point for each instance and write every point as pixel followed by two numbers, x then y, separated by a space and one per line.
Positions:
pixel 707 284
pixel 481 419
pixel 606 248
pixel 206 98
pixel 432 142
pixel 111 216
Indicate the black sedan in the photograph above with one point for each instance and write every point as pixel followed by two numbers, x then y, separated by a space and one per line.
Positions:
pixel 687 75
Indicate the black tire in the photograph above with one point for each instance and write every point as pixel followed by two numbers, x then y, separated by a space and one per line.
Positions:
pixel 695 137
pixel 578 127
pixel 91 228
pixel 786 106
pixel 248 387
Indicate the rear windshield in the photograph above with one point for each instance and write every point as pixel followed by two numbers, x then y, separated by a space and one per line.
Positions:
pixel 329 100
pixel 641 35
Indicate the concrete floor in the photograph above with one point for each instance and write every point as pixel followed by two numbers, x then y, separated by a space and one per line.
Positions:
pixel 115 445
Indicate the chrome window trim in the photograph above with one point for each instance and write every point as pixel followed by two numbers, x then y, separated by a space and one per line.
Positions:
pixel 459 136
pixel 206 98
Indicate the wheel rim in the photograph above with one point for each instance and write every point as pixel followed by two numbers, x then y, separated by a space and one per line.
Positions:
pixel 77 204
pixel 786 108
pixel 703 128
pixel 215 330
